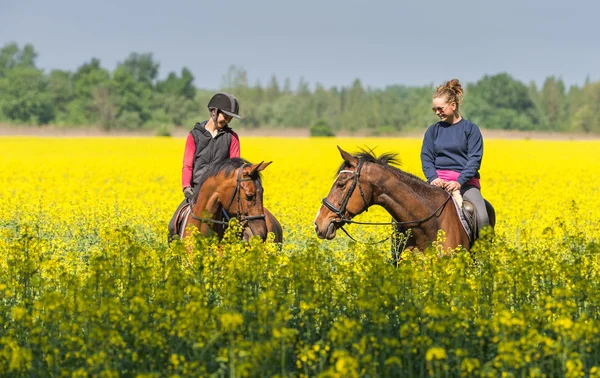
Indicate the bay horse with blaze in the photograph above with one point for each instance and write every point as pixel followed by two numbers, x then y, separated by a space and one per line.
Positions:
pixel 230 189
pixel 364 180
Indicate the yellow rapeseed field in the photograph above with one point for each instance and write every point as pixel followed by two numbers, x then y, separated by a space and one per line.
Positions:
pixel 89 286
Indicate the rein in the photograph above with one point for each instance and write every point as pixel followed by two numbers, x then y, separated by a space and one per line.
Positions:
pixel 393 222
pixel 340 212
pixel 239 216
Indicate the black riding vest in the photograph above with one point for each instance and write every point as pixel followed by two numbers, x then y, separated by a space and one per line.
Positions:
pixel 209 150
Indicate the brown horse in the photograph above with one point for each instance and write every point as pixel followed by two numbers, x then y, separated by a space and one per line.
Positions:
pixel 231 189
pixel 364 180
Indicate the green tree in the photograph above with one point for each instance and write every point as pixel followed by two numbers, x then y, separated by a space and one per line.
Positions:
pixel 585 117
pixel 104 108
pixel 179 86
pixel 272 91
pixel 24 96
pixel 8 57
pixel 141 67
pixel 285 112
pixel 132 98
pixel 500 102
pixel 321 128
pixel 86 80
pixel 287 87
pixel 27 56
pixel 553 105
pixel 250 105
pixel 235 78
pixel 356 108
pixel 62 92
pixel 324 105
pixel 12 56
pixel 174 99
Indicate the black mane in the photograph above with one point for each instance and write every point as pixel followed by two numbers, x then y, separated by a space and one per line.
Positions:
pixel 385 160
pixel 227 167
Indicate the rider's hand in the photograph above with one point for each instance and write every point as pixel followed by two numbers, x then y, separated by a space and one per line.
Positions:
pixel 438 182
pixel 452 186
pixel 188 192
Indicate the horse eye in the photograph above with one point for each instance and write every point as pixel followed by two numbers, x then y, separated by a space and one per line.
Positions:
pixel 340 184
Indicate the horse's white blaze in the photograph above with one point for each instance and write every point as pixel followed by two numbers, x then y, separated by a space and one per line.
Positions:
pixel 319 212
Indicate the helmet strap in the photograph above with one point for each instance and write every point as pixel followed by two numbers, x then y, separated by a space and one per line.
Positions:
pixel 214 116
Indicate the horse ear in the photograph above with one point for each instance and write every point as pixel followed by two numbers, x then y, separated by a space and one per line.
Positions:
pixel 347 157
pixel 258 167
pixel 261 166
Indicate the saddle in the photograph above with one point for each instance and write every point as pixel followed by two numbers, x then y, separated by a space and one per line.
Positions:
pixel 181 219
pixel 468 215
pixel 182 216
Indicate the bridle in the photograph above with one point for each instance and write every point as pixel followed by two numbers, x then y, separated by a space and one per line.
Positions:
pixel 242 218
pixel 341 211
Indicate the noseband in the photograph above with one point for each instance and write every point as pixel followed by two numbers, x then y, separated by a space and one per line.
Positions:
pixel 341 211
pixel 242 218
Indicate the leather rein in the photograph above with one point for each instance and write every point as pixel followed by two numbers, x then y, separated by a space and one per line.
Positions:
pixel 340 212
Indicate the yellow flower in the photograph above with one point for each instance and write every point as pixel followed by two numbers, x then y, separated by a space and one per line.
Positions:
pixel 435 353
pixel 89 286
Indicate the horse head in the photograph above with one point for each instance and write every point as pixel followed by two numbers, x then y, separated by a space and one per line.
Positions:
pixel 349 196
pixel 239 193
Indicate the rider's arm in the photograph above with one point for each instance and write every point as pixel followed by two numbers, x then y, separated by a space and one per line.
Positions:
pixel 474 155
pixel 188 161
pixel 234 147
pixel 428 156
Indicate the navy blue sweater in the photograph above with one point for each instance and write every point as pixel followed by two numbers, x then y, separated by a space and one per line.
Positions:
pixel 457 147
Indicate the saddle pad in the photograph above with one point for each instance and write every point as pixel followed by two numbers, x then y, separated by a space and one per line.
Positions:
pixel 463 220
pixel 182 220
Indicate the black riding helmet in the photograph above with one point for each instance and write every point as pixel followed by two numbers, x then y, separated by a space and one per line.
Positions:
pixel 225 103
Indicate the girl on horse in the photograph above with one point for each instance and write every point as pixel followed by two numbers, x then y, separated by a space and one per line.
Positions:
pixel 452 150
pixel 207 143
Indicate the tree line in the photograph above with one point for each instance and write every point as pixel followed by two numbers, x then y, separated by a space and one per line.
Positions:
pixel 133 97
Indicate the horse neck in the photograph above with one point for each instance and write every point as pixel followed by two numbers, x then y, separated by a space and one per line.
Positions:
pixel 209 200
pixel 408 199
pixel 402 196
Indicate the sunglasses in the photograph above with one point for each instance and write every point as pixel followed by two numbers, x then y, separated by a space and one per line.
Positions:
pixel 440 109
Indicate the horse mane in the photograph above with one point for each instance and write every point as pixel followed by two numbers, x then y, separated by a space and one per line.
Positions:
pixel 227 167
pixel 387 160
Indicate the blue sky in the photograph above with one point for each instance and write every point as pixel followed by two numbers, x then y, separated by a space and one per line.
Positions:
pixel 331 42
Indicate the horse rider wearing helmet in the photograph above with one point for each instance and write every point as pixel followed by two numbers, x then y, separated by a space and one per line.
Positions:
pixel 209 142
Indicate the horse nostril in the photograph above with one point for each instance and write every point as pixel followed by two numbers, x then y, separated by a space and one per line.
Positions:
pixel 330 231
pixel 247 234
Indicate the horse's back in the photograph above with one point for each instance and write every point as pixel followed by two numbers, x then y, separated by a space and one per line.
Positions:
pixel 274 226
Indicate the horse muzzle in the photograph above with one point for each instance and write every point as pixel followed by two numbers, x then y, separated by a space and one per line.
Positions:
pixel 327 232
pixel 255 227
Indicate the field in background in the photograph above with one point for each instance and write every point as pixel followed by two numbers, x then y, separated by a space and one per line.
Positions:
pixel 88 284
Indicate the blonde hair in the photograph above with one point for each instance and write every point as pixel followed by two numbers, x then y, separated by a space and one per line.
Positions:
pixel 451 91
